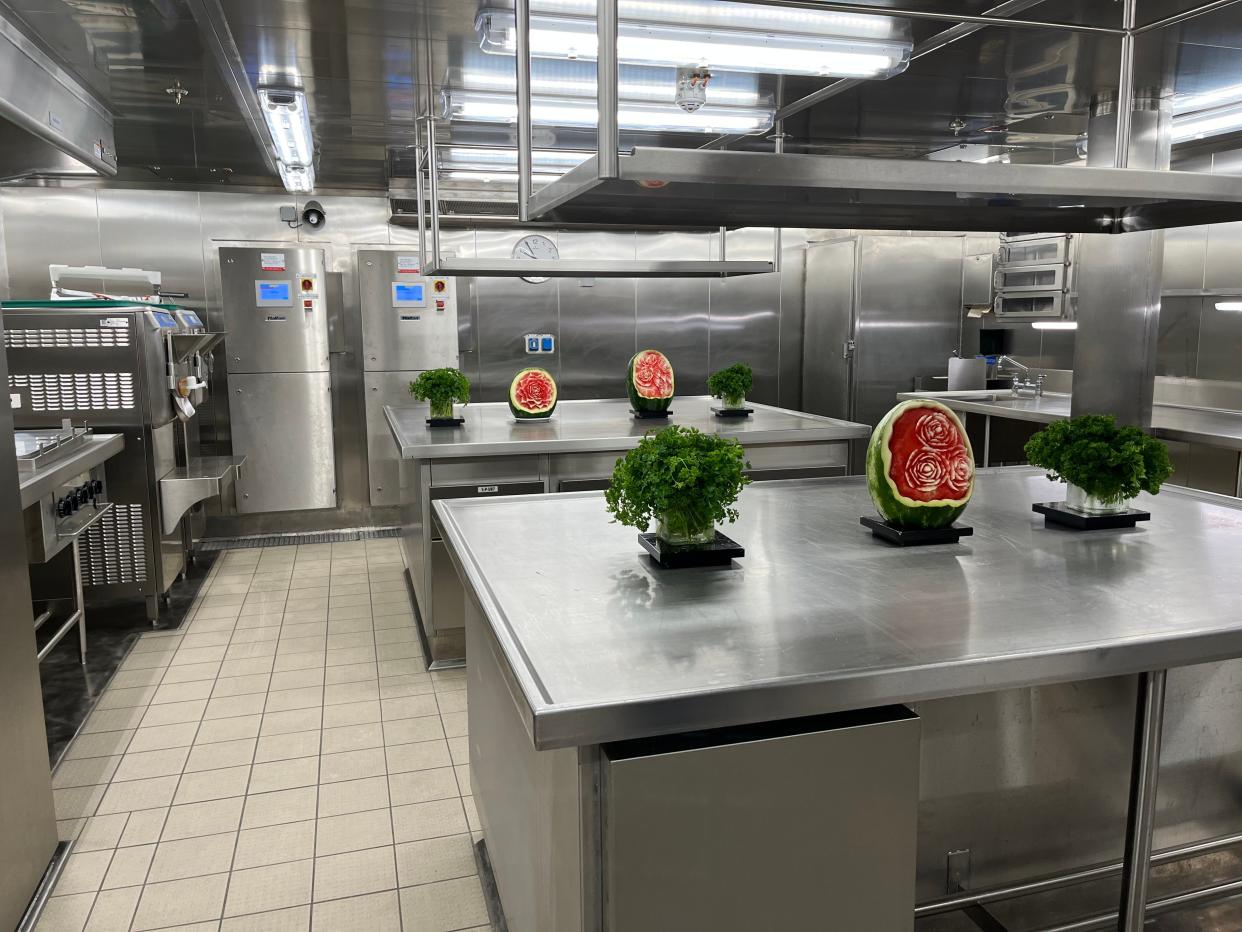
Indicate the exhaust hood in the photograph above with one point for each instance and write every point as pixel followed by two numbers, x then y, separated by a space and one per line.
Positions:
pixel 49 123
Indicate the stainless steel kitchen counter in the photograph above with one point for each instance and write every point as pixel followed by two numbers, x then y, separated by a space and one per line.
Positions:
pixel 599 645
pixel 1210 426
pixel 599 425
pixel 99 447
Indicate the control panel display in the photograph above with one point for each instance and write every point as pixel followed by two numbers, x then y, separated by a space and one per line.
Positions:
pixel 273 293
pixel 162 320
pixel 190 319
pixel 409 294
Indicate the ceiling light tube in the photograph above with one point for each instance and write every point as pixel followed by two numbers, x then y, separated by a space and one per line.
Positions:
pixel 703 45
pixel 297 179
pixel 504 161
pixel 485 107
pixel 1055 324
pixel 288 122
pixel 1203 123
pixel 1229 305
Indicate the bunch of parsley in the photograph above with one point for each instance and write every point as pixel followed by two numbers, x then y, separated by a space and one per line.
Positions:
pixel 731 384
pixel 680 475
pixel 1112 463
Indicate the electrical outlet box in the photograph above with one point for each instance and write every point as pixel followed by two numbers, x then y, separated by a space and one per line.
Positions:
pixel 289 214
pixel 540 343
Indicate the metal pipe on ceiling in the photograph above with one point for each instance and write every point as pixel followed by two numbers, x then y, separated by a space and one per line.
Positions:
pixel 1125 87
pixel 1185 15
pixel 606 90
pixel 525 158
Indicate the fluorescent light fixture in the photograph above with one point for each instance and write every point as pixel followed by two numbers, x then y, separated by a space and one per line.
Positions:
pixel 702 44
pixel 1229 305
pixel 297 179
pixel 288 122
pixel 485 107
pixel 560 79
pixel 497 159
pixel 1055 324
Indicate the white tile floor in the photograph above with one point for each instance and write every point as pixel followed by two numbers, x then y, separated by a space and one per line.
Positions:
pixel 282 762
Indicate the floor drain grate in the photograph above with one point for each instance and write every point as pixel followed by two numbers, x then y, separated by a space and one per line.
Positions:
pixel 294 539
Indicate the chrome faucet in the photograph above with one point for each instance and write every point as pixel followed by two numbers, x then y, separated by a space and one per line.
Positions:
pixel 1025 383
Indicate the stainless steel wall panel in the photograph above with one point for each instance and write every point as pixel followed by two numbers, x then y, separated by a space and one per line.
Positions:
pixel 792 322
pixel 282 422
pixel 1223 261
pixel 830 294
pixel 1178 348
pixel 597 336
pixel 1185 251
pixel 745 316
pixel 45 226
pixel 1220 344
pixel 672 314
pixel 507 309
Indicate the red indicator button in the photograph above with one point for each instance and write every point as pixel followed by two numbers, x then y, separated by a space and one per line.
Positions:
pixel 439 286
pixel 308 305
pixel 439 304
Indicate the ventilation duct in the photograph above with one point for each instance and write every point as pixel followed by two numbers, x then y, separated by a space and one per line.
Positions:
pixel 49 123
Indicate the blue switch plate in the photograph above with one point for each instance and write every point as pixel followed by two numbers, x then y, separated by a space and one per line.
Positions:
pixel 532 344
pixel 546 345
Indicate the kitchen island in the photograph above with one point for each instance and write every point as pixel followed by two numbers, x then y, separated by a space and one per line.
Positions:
pixel 492 454
pixel 623 719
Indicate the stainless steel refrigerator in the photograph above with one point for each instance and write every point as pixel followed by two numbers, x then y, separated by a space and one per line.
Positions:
pixel 27 815
pixel 409 325
pixel 279 377
pixel 881 310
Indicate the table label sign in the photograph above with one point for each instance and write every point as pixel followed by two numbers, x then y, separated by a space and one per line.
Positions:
pixel 488 489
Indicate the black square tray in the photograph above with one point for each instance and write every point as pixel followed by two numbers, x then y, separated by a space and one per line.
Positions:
pixel 445 421
pixel 1058 513
pixel 651 415
pixel 732 412
pixel 719 553
pixel 916 536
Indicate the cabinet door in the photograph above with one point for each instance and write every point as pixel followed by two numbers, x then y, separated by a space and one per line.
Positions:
pixel 282 423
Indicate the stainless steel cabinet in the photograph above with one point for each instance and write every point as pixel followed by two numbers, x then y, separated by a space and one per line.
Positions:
pixel 282 422
pixel 280 395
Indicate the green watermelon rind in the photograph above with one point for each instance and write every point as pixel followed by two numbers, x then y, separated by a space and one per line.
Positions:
pixel 641 402
pixel 891 504
pixel 521 413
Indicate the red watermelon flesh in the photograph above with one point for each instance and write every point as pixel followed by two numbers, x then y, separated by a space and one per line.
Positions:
pixel 930 462
pixel 534 391
pixel 653 376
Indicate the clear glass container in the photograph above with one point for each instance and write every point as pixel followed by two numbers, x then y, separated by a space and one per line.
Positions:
pixel 1078 499
pixel 733 402
pixel 442 410
pixel 685 529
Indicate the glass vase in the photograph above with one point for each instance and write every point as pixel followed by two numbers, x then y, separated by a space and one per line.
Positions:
pixel 733 402
pixel 1080 500
pixel 685 529
pixel 442 409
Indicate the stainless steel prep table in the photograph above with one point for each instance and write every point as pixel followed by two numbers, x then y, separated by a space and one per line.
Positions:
pixel 590 644
pixel 1210 426
pixel 49 475
pixel 492 454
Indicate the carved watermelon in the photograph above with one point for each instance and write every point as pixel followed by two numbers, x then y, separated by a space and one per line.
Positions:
pixel 920 467
pixel 650 381
pixel 532 394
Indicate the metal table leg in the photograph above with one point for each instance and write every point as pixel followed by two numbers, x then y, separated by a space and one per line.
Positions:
pixel 79 601
pixel 987 439
pixel 1141 814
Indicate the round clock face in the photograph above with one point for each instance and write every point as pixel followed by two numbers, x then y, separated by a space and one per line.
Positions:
pixel 539 247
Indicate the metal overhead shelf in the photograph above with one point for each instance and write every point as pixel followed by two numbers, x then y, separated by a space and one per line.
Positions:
pixel 714 187
pixel 613 268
